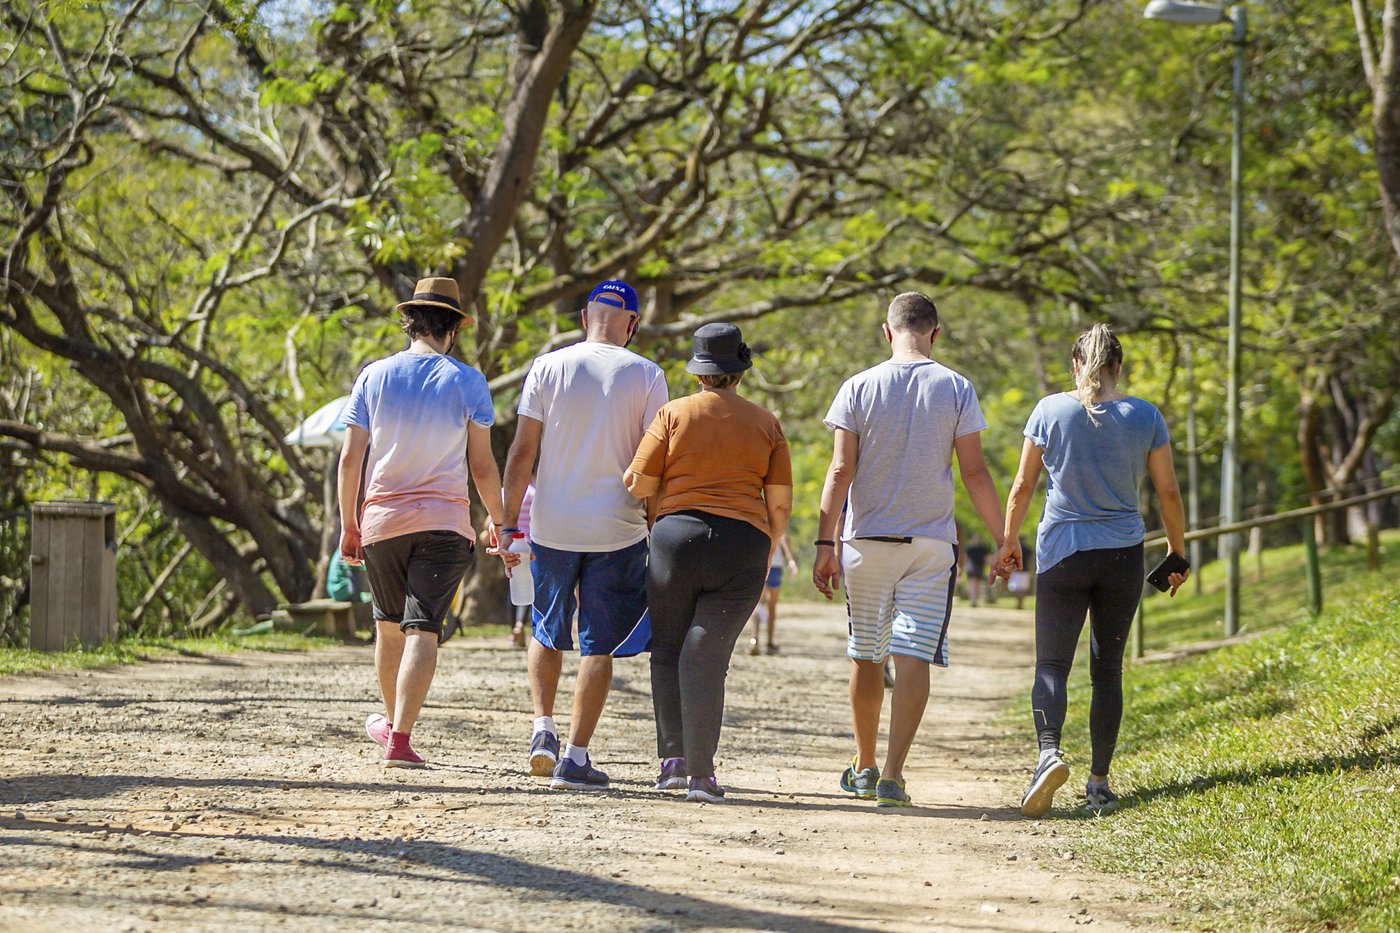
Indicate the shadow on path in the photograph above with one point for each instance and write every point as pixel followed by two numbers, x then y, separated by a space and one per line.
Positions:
pixel 548 886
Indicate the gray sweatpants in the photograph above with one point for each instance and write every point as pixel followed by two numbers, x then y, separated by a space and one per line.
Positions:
pixel 705 576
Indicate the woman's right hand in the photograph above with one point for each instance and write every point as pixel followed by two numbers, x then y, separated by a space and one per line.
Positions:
pixel 1177 579
pixel 1006 560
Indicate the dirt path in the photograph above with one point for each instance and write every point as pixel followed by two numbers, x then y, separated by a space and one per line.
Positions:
pixel 239 793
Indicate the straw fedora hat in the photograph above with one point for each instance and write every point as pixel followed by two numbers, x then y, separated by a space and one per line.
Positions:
pixel 435 292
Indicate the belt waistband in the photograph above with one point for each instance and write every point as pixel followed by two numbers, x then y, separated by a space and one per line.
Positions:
pixel 891 539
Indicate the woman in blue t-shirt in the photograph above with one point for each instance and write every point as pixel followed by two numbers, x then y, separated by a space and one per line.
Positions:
pixel 1094 444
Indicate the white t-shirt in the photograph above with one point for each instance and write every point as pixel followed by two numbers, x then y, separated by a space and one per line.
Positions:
pixel 907 416
pixel 596 401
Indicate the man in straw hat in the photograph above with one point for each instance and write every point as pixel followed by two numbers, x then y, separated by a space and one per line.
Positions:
pixel 424 419
pixel 583 409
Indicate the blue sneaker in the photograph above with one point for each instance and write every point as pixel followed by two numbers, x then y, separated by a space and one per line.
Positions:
pixel 672 775
pixel 890 793
pixel 861 783
pixel 569 776
pixel 544 753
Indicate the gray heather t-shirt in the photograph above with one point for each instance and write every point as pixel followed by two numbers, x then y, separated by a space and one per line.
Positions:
pixel 905 417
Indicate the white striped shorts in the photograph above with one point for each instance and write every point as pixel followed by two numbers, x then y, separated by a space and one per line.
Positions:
pixel 898 597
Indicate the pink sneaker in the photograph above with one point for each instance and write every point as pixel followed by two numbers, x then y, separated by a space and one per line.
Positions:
pixel 378 728
pixel 399 754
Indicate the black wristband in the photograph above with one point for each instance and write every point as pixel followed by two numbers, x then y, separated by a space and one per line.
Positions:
pixel 824 542
pixel 501 531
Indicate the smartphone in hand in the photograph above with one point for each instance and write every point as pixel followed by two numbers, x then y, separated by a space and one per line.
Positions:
pixel 1172 563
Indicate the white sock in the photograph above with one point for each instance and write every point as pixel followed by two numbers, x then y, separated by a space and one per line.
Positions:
pixel 1048 753
pixel 578 754
pixel 544 724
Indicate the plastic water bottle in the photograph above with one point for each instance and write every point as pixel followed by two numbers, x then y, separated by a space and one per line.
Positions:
pixel 522 579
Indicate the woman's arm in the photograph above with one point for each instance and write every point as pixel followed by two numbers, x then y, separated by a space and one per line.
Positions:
pixel 778 499
pixel 640 485
pixel 1163 473
pixel 1018 503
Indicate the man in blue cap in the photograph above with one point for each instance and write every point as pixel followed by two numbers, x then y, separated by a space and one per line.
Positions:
pixel 583 411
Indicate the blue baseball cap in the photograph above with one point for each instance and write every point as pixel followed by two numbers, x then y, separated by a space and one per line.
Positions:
pixel 614 293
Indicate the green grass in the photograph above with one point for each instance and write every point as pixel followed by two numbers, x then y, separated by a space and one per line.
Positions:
pixel 1261 781
pixel 133 650
pixel 1274 597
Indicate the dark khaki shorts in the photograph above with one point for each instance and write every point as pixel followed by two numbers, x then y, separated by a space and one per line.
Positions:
pixel 414 577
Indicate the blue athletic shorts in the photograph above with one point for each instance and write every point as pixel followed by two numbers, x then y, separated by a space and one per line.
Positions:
pixel 775 578
pixel 611 602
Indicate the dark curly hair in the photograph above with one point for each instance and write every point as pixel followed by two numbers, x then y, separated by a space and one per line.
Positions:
pixel 428 321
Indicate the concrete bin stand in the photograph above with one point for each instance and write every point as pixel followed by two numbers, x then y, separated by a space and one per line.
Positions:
pixel 73 562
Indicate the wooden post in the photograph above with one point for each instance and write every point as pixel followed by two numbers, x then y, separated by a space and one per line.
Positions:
pixel 1312 570
pixel 1373 546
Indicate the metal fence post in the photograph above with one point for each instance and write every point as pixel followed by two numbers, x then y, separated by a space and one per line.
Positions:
pixel 1313 572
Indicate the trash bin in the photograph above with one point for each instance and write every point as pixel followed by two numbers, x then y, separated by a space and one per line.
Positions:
pixel 73 566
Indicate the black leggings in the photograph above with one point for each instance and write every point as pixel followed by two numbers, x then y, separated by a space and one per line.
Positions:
pixel 1107 584
pixel 704 578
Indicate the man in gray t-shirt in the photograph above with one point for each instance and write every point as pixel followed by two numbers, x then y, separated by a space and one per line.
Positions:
pixel 897 426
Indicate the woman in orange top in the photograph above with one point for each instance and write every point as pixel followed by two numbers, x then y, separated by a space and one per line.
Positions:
pixel 715 468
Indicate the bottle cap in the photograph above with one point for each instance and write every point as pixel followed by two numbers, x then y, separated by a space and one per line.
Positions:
pixel 518 534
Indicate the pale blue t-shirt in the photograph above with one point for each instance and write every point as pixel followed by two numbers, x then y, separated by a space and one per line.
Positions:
pixel 416 408
pixel 906 416
pixel 1093 473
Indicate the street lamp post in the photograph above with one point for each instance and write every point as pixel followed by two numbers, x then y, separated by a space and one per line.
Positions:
pixel 1201 14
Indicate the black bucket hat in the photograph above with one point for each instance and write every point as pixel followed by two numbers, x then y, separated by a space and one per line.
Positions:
pixel 719 350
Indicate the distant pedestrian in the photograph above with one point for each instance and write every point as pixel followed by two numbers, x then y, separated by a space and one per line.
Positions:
pixel 897 426
pixel 765 614
pixel 717 468
pixel 1094 443
pixel 977 554
pixel 424 418
pixel 583 409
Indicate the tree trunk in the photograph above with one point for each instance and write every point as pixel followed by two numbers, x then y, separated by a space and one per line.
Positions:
pixel 1382 67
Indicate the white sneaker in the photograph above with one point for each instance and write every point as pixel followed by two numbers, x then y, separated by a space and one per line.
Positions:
pixel 1050 775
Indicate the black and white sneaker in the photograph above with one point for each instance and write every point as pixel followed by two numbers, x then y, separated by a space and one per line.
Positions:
pixel 1050 775
pixel 1099 799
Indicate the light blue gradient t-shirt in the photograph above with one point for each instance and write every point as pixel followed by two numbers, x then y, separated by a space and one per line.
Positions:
pixel 1093 473
pixel 416 408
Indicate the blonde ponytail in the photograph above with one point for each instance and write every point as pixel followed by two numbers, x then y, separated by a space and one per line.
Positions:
pixel 1095 350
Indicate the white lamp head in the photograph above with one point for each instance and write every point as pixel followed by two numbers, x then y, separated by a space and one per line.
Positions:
pixel 1186 14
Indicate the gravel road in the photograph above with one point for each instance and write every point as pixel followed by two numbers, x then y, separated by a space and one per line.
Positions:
pixel 239 793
